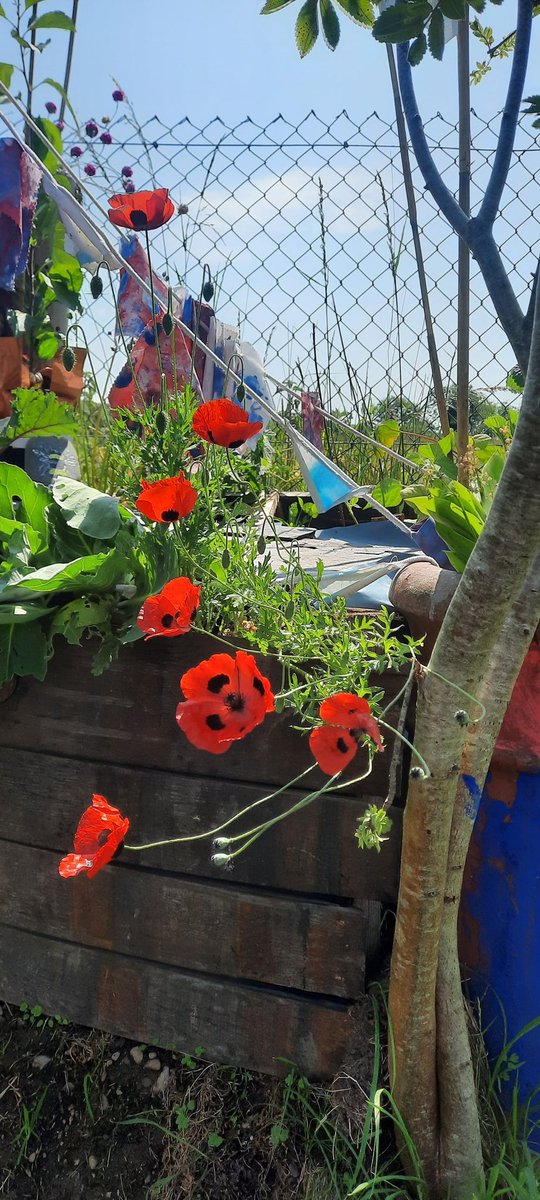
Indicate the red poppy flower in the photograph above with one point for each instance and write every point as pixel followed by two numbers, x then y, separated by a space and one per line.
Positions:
pixel 167 500
pixel 225 699
pixel 100 831
pixel 171 611
pixel 335 744
pixel 141 210
pixel 224 423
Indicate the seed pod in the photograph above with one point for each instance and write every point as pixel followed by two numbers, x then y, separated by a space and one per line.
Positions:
pixel 96 286
pixel 167 323
pixel 161 422
pixel 68 358
pixel 261 545
pixel 240 393
pixel 208 290
pixel 289 611
pixel 225 559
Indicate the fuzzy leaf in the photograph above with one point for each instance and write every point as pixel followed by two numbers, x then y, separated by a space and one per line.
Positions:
pixel 330 23
pixel 436 35
pixel 94 513
pixel 307 27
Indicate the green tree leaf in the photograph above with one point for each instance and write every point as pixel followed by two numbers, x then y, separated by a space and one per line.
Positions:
pixel 453 9
pixel 52 20
pixel 478 5
pixel 53 135
pixel 388 492
pixel 402 21
pixel 38 414
pixel 6 71
pixel 94 513
pixel 436 35
pixel 417 49
pixel 360 11
pixel 274 6
pixel 47 343
pixel 307 27
pixel 330 23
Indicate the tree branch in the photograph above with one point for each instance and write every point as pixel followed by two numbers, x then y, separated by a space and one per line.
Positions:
pixel 505 144
pixel 432 178
pixel 484 249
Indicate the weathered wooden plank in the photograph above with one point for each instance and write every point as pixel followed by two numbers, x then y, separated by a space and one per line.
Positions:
pixel 218 930
pixel 313 851
pixel 248 1025
pixel 127 716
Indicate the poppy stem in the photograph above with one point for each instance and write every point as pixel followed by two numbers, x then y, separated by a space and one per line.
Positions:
pixel 257 833
pixel 197 837
pixel 423 667
pixel 406 742
pixel 401 692
pixel 198 322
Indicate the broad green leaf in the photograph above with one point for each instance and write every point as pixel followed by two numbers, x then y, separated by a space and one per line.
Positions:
pixel 307 27
pixel 453 9
pixel 47 344
pixel 53 135
pixel 94 513
pixel 62 92
pixel 274 6
pixel 360 11
pixel 52 20
pixel 417 49
pixel 23 651
pixel 496 421
pixel 330 23
pixel 402 21
pixel 388 492
pixel 478 5
pixel 6 71
pixel 2 11
pixel 387 433
pixel 16 485
pixel 20 614
pixel 91 573
pixel 38 414
pixel 35 541
pixel 436 35
pixel 78 617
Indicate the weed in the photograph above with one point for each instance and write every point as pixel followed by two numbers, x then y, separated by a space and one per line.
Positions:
pixel 29 1120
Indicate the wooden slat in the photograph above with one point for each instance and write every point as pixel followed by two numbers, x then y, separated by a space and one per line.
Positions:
pixel 127 716
pixel 249 1026
pixel 214 929
pixel 313 851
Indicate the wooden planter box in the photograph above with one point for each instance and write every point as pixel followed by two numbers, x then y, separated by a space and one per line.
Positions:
pixel 258 964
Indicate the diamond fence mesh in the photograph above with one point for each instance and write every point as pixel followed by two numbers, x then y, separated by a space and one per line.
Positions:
pixel 305 229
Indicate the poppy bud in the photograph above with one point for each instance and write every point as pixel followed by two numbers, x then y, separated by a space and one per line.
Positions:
pixel 225 559
pixel 161 422
pixel 462 717
pixel 208 290
pixel 68 358
pixel 96 286
pixel 279 704
pixel 289 611
pixel 240 393
pixel 221 843
pixel 417 773
pixel 261 545
pixel 167 324
pixel 221 860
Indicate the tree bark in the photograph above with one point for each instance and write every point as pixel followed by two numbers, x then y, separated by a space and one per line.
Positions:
pixel 470 637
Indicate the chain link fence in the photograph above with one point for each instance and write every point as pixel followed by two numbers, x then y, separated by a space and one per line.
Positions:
pixel 305 230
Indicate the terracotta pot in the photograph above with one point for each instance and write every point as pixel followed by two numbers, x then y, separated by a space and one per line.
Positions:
pixel 14 371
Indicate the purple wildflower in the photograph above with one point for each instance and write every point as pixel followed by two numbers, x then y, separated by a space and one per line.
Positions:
pixel 91 129
pixel 106 138
pixel 50 106
pixel 127 172
pixel 76 151
pixel 60 125
pixel 118 95
pixel 130 187
pixel 89 169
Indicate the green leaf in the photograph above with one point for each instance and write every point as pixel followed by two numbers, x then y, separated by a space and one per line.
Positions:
pixel 53 20
pixel 79 617
pixel 62 92
pixel 307 27
pixel 387 433
pixel 402 21
pixel 330 23
pixel 20 614
pixel 6 71
pixel 417 49
pixel 436 35
pixel 91 573
pixel 515 381
pixel 214 1141
pixel 33 540
pixel 2 11
pixel 23 500
pixel 47 343
pixel 453 9
pixel 274 6
pixel 478 5
pixel 53 135
pixel 388 492
pixel 94 513
pixel 38 414
pixel 23 651
pixel 360 11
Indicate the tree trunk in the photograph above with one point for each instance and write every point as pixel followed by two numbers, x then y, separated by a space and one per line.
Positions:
pixel 469 643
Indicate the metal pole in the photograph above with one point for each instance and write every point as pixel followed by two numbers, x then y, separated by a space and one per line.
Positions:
pixel 464 258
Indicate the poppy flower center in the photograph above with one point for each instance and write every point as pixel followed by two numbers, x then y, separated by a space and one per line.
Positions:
pixel 138 219
pixel 235 702
pixel 170 514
